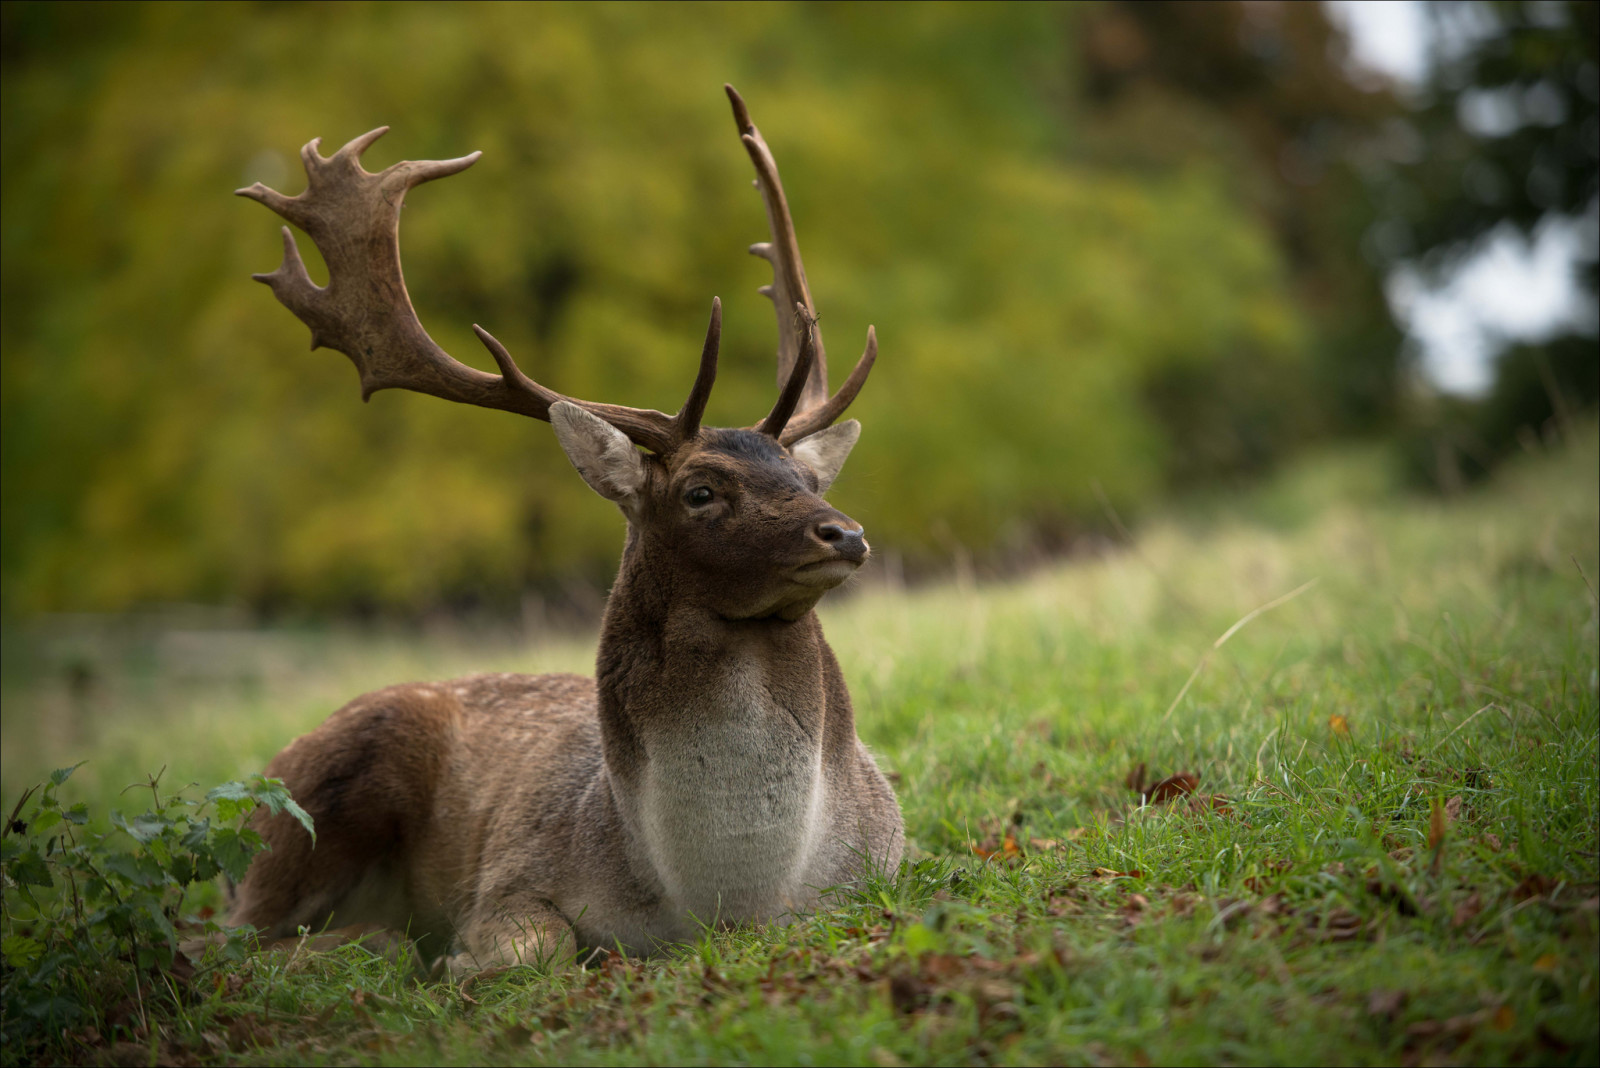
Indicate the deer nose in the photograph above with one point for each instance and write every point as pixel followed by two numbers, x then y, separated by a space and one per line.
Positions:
pixel 849 544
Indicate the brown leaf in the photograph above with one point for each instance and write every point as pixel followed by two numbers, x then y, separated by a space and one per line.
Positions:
pixel 1492 840
pixel 1452 808
pixel 1547 963
pixel 1339 725
pixel 1005 851
pixel 1107 873
pixel 1173 786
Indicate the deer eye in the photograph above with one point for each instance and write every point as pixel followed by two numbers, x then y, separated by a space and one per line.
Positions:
pixel 699 496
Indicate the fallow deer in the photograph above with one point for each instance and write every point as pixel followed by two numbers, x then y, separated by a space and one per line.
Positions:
pixel 711 773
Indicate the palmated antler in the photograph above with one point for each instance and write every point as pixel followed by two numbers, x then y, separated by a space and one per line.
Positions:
pixel 366 313
pixel 806 377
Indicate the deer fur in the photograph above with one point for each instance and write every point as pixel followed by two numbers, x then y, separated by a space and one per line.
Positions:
pixel 710 773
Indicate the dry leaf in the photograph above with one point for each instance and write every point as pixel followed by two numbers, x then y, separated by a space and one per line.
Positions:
pixel 1339 725
pixel 1452 808
pixel 1172 787
pixel 1492 840
pixel 1107 873
pixel 1546 963
pixel 1004 851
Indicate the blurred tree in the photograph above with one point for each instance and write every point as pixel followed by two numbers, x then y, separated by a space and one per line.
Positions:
pixel 1263 91
pixel 1510 123
pixel 1070 287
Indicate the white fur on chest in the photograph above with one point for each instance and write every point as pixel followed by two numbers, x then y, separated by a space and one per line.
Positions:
pixel 730 805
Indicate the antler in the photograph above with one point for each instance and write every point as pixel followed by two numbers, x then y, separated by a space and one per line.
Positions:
pixel 366 313
pixel 806 376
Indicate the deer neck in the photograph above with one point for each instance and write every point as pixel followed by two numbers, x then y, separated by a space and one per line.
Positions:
pixel 716 737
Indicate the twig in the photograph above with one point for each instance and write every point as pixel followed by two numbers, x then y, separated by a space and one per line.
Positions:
pixel 1230 632
pixel 23 800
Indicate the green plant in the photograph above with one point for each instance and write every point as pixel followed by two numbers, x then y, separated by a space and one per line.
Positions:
pixel 88 913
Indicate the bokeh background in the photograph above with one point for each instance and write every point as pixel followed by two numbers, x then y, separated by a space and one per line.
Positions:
pixel 1116 253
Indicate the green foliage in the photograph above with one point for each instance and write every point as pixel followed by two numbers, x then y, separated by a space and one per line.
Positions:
pixel 88 913
pixel 1050 280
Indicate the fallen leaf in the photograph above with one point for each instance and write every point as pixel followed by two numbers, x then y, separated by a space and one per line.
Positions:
pixel 1492 841
pixel 1005 850
pixel 1546 963
pixel 1107 873
pixel 1452 808
pixel 1173 786
pixel 1339 725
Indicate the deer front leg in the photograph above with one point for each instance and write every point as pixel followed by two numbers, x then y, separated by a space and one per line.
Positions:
pixel 505 931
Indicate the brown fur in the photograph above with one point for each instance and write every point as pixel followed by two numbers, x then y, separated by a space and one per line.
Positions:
pixel 493 815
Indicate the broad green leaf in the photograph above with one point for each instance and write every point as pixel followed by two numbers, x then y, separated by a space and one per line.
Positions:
pixel 20 950
pixel 231 852
pixel 28 868
pixel 138 869
pixel 144 827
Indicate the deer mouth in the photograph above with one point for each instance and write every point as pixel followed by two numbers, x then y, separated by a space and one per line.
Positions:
pixel 825 573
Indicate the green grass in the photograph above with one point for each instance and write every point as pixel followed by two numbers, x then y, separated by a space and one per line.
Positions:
pixel 1445 659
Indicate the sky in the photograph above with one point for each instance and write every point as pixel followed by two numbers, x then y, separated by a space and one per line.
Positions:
pixel 1511 289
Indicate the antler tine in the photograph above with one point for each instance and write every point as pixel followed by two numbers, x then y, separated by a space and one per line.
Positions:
pixel 772 426
pixel 789 285
pixel 822 416
pixel 686 424
pixel 353 216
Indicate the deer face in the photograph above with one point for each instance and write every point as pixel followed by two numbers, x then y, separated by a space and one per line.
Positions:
pixel 733 514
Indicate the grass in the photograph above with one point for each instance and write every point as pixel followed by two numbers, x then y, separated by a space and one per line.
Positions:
pixel 1404 868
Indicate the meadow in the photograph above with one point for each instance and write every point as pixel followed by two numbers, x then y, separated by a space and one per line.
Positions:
pixel 1306 775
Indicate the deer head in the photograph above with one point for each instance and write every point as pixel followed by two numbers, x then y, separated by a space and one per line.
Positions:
pixel 735 515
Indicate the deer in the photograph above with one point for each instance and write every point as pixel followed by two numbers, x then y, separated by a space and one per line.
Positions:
pixel 710 774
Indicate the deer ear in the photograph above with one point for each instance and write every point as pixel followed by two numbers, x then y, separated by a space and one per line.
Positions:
pixel 826 450
pixel 602 454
